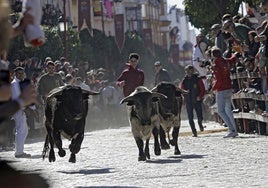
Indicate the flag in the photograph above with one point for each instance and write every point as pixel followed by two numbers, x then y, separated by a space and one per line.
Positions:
pixel 84 18
pixel 119 31
pixel 147 37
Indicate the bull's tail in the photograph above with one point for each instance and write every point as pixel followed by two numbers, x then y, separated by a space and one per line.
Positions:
pixel 46 147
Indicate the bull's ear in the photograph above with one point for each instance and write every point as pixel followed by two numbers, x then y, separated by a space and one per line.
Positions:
pixel 129 100
pixel 59 97
pixel 85 95
pixel 156 96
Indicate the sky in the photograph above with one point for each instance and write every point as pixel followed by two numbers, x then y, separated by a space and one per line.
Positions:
pixel 173 2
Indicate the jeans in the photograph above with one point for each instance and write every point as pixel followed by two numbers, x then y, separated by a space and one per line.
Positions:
pixel 223 99
pixel 190 107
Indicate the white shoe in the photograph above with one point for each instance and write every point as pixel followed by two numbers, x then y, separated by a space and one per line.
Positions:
pixel 231 135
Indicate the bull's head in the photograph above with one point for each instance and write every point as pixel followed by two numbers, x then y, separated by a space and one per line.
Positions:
pixel 142 101
pixel 172 103
pixel 72 100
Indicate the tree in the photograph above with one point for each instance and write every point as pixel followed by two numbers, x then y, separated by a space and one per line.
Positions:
pixel 204 13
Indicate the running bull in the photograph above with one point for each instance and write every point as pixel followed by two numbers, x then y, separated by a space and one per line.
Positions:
pixel 66 110
pixel 169 110
pixel 143 118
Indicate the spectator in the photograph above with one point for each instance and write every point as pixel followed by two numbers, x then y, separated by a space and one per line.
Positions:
pixel 161 73
pixel 238 31
pixel 193 99
pixel 20 116
pixel 223 88
pixel 219 40
pixel 254 45
pixel 199 56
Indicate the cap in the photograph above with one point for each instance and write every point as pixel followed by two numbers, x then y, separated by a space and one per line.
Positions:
pixel 157 63
pixel 226 24
pixel 134 55
pixel 189 67
pixel 48 59
pixel 215 26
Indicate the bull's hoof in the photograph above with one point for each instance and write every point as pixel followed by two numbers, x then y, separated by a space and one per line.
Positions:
pixel 157 151
pixel 142 158
pixel 177 152
pixel 51 158
pixel 72 158
pixel 172 142
pixel 62 153
pixel 165 146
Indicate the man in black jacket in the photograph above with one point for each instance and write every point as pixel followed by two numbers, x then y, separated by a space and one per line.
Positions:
pixel 161 73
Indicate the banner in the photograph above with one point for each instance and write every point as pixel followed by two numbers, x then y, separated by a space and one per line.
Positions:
pixel 174 52
pixel 119 31
pixel 108 8
pixel 84 18
pixel 96 7
pixel 147 37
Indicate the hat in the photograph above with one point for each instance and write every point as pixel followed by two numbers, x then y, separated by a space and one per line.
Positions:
pixel 215 26
pixel 134 55
pixel 226 24
pixel 50 63
pixel 157 63
pixel 48 59
pixel 189 67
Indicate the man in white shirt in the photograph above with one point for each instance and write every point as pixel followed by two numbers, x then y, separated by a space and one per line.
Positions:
pixel 20 116
pixel 199 56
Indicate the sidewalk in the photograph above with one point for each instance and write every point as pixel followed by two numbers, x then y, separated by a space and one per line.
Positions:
pixel 210 127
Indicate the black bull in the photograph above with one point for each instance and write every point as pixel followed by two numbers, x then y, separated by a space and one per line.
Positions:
pixel 169 114
pixel 65 112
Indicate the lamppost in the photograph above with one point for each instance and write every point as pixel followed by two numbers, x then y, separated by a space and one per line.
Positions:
pixel 102 17
pixel 63 27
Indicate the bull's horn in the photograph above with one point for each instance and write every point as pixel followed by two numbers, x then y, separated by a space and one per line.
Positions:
pixel 127 99
pixel 159 95
pixel 90 92
pixel 154 89
pixel 55 91
pixel 182 90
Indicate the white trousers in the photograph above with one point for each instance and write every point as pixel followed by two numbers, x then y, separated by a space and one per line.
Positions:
pixel 21 131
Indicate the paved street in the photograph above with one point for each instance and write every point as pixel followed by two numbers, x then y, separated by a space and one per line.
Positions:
pixel 108 158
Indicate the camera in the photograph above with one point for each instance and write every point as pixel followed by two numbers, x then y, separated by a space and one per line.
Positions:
pixel 4 77
pixel 204 63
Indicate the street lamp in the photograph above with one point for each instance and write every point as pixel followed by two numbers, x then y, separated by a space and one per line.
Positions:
pixel 63 28
pixel 102 17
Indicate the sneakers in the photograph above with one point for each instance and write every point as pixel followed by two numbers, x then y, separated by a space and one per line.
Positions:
pixel 23 155
pixel 231 135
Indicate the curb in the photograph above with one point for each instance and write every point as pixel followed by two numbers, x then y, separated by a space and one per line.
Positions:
pixel 204 132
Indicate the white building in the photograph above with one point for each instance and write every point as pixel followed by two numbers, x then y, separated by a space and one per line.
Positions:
pixel 185 37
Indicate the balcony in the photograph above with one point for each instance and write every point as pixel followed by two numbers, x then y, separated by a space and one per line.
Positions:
pixel 164 20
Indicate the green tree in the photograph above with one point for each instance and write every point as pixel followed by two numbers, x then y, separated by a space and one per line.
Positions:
pixel 204 13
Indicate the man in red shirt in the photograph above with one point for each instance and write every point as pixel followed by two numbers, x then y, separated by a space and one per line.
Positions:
pixel 223 89
pixel 132 76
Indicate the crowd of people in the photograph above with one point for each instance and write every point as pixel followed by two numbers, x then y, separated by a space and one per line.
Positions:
pixel 240 47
